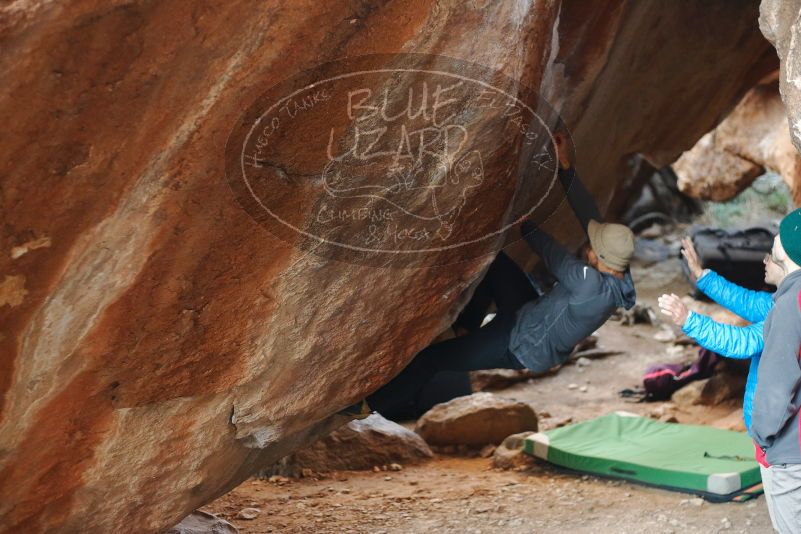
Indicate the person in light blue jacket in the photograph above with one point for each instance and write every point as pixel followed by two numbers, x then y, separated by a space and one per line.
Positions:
pixel 738 342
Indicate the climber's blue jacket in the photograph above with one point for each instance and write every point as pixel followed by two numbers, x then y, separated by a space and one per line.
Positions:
pixel 740 342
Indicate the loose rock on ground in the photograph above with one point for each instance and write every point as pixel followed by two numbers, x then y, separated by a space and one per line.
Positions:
pixel 476 419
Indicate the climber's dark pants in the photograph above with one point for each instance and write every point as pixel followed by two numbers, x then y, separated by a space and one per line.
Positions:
pixel 483 348
pixel 505 284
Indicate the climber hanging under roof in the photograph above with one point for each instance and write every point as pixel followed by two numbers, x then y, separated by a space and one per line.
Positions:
pixel 530 332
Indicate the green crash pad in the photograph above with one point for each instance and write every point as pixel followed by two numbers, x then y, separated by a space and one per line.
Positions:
pixel 697 459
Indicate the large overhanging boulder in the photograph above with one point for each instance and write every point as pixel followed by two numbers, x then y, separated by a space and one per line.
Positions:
pixel 157 344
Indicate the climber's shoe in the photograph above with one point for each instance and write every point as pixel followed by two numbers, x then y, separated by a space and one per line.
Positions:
pixel 360 410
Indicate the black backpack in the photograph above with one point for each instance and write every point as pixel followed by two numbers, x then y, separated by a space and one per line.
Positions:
pixel 736 254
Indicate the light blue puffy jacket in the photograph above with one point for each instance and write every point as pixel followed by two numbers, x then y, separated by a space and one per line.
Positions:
pixel 739 342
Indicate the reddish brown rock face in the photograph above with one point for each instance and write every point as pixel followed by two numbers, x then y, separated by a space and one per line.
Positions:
pixel 158 345
pixel 753 138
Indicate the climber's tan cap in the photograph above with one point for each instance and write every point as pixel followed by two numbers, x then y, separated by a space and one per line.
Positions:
pixel 613 243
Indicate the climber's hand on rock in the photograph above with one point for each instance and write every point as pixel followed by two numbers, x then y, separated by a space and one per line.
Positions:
pixel 672 306
pixel 562 150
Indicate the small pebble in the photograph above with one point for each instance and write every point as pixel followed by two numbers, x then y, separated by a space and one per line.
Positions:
pixel 487 451
pixel 248 513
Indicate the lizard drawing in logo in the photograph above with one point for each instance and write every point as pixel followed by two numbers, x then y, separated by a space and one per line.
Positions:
pixel 430 189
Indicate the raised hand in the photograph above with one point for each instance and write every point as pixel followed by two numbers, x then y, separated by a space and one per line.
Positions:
pixel 672 306
pixel 689 253
pixel 562 150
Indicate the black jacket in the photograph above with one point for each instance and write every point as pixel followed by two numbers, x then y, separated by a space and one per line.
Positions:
pixel 547 329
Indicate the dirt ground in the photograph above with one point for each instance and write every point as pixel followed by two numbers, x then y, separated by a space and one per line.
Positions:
pixel 465 495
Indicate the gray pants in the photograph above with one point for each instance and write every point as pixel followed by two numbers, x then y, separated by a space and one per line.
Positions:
pixel 782 484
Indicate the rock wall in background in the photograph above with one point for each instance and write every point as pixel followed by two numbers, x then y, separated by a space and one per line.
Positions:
pixel 754 138
pixel 157 345
pixel 763 132
pixel 780 22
